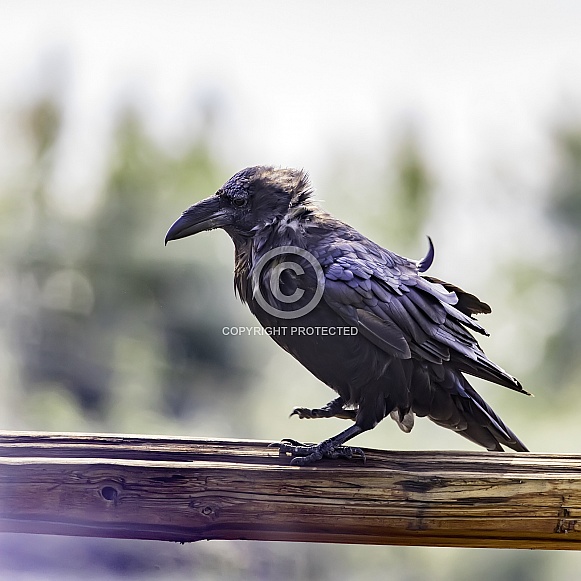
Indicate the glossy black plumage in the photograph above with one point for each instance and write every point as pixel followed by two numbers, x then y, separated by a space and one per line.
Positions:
pixel 413 343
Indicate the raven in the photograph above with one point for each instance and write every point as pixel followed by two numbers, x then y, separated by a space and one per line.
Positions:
pixel 365 321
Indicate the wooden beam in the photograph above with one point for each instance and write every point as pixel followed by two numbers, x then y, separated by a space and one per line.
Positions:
pixel 179 489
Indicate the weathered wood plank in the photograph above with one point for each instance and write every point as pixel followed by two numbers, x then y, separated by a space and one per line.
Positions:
pixel 184 490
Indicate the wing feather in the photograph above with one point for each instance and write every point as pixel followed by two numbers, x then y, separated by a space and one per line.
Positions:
pixel 406 314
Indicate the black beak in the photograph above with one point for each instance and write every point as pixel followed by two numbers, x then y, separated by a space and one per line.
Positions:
pixel 205 215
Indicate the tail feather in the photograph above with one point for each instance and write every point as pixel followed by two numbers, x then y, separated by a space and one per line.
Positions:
pixel 456 405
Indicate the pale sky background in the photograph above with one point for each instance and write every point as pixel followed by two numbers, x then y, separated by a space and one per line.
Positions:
pixel 482 80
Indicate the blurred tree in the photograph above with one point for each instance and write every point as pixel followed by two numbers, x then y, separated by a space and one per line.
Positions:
pixel 104 324
pixel 410 192
pixel 399 191
pixel 562 356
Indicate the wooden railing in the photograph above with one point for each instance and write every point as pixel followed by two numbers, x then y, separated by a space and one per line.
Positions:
pixel 177 489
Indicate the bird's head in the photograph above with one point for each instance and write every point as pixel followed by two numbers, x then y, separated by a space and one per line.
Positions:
pixel 249 201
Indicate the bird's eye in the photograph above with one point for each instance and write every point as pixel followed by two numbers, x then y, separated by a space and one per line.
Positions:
pixel 239 202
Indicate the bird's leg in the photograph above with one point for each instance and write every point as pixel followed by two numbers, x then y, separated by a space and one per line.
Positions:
pixel 331 448
pixel 334 409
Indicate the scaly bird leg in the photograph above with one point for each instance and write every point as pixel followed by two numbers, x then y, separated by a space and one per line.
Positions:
pixel 304 455
pixel 334 409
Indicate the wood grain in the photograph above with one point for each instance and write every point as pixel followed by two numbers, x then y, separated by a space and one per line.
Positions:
pixel 182 489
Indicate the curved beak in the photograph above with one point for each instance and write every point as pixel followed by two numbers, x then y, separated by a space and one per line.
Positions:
pixel 205 215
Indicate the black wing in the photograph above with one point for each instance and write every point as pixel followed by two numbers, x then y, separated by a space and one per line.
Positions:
pixel 410 316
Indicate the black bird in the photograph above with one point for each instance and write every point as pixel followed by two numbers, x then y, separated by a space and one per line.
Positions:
pixel 365 321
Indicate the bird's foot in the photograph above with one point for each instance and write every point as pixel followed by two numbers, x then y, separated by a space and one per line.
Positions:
pixel 304 454
pixel 333 409
pixel 310 413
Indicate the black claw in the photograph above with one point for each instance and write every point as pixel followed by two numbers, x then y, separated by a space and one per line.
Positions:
pixel 286 443
pixel 311 414
pixel 355 452
pixel 304 413
pixel 305 460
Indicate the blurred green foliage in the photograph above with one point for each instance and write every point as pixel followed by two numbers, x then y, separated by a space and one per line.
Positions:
pixel 102 326
pixel 102 329
pixel 562 358
pixel 409 190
